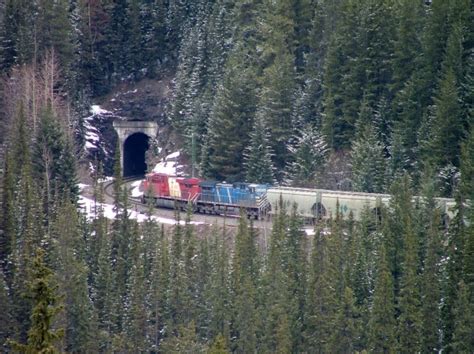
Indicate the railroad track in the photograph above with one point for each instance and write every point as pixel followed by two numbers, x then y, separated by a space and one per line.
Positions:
pixel 109 187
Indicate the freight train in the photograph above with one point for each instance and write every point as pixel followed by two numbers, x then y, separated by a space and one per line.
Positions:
pixel 259 200
pixel 206 197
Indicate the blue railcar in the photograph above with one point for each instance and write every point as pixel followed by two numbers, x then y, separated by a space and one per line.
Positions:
pixel 208 191
pixel 230 198
pixel 225 193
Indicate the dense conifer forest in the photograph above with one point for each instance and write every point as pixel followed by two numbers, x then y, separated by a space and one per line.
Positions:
pixel 362 95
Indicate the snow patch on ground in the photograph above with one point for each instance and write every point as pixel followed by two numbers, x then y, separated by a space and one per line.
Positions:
pixel 96 109
pixel 173 156
pixel 136 192
pixel 91 210
pixel 170 165
pixel 92 133
pixel 88 145
pixel 81 186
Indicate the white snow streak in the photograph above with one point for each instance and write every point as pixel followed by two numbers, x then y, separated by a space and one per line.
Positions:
pixel 170 165
pixel 96 109
pixel 136 192
pixel 88 206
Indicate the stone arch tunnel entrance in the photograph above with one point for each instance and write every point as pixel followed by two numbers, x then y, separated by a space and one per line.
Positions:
pixel 134 149
pixel 134 139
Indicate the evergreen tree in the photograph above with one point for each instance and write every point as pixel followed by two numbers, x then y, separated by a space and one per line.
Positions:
pixel 455 244
pixel 338 121
pixel 92 65
pixel 448 124
pixel 72 272
pixel 343 338
pixel 5 315
pixel 219 287
pixel 322 301
pixel 29 225
pixel 17 34
pixel 295 267
pixel 54 32
pixel 466 188
pixel 277 331
pixel 185 341
pixel 7 242
pixel 368 164
pixel 159 290
pixel 407 44
pixel 244 278
pixel 219 346
pixel 104 292
pixel 258 158
pixel 463 339
pixel 136 318
pixel 231 116
pixel 309 155
pixel 431 290
pixel 153 23
pixel 409 322
pixel 190 253
pixel 382 337
pixel 177 292
pixel 278 83
pixel 41 336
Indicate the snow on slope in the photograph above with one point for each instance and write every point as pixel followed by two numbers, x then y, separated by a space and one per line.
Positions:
pixel 92 137
pixel 170 165
pixel 90 207
pixel 136 192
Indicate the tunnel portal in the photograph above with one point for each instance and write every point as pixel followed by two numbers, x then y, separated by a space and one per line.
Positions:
pixel 134 149
pixel 133 143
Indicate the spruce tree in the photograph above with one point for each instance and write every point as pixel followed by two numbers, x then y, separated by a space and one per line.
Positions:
pixel 309 155
pixel 54 32
pixel 7 243
pixel 409 321
pixel 295 267
pixel 448 127
pixel 41 336
pixel 382 325
pixel 17 33
pixel 431 290
pixel 407 43
pixel 67 250
pixel 463 338
pixel 258 157
pixel 29 226
pixel 277 331
pixel 218 346
pixel 278 85
pixel 466 188
pixel 159 290
pixel 346 324
pixel 231 116
pixel 219 286
pixel 104 292
pixel 177 291
pixel 338 126
pixel 454 251
pixel 368 164
pixel 322 300
pixel 135 323
pixel 5 313
pixel 244 282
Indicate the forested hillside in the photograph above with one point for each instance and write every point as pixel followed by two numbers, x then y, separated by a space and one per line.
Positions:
pixel 362 95
pixel 341 94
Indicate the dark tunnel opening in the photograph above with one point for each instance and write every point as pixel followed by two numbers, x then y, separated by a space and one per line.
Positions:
pixel 134 150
